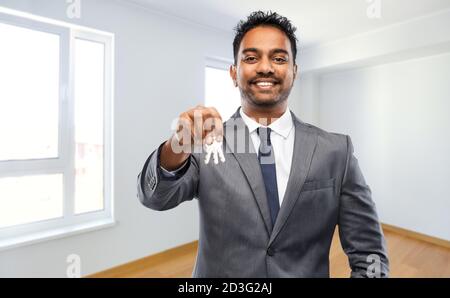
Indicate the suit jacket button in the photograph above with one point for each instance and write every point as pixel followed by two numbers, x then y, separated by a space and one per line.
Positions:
pixel 270 252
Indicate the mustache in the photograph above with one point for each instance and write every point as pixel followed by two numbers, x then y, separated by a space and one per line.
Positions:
pixel 266 77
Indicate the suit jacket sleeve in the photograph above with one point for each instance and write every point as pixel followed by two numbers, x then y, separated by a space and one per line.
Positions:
pixel 359 229
pixel 159 192
pixel 175 174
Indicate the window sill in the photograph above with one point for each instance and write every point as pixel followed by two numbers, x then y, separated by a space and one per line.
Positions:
pixel 57 233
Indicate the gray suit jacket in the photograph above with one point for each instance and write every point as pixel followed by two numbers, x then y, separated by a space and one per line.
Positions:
pixel 325 188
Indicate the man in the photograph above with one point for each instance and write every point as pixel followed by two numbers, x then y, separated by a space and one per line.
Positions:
pixel 269 210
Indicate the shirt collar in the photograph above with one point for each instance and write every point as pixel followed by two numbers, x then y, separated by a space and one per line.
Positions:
pixel 281 126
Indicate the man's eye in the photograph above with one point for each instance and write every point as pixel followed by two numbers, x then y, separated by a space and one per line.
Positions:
pixel 250 59
pixel 280 59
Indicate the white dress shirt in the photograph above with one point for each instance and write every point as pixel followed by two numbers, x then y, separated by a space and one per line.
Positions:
pixel 282 137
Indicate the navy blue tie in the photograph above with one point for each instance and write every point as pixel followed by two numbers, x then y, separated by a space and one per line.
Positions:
pixel 266 159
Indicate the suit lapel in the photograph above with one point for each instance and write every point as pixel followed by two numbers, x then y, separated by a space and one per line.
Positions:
pixel 248 162
pixel 304 146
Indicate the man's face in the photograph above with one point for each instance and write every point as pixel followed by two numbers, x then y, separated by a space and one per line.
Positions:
pixel 264 70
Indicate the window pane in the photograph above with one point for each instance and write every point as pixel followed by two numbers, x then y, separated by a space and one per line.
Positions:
pixel 29 88
pixel 220 92
pixel 89 94
pixel 30 198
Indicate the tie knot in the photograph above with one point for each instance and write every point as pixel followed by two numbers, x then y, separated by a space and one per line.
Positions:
pixel 264 134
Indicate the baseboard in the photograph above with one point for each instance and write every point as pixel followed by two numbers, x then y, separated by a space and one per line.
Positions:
pixel 416 235
pixel 146 261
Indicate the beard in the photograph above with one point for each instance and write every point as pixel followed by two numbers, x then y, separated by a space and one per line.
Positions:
pixel 255 100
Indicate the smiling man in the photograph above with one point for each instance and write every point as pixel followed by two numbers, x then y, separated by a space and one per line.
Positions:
pixel 264 67
pixel 269 210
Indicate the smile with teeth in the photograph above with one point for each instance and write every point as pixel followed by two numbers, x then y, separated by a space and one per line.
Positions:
pixel 265 85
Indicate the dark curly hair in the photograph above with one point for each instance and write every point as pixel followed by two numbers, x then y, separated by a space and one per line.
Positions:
pixel 261 18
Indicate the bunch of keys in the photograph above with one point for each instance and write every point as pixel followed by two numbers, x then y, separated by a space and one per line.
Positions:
pixel 214 149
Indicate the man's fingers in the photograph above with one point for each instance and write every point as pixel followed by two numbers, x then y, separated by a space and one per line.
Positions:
pixel 205 120
pixel 198 127
pixel 209 139
pixel 203 126
pixel 218 129
pixel 185 128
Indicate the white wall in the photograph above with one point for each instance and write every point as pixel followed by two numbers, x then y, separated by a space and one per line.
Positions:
pixel 398 117
pixel 159 73
pixel 303 98
pixel 388 89
pixel 419 37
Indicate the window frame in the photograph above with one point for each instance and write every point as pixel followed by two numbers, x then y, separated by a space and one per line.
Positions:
pixel 218 63
pixel 64 163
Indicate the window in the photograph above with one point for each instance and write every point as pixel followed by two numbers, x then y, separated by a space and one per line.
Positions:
pixel 55 127
pixel 29 74
pixel 89 73
pixel 219 88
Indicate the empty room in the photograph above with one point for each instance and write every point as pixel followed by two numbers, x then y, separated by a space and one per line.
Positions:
pixel 224 139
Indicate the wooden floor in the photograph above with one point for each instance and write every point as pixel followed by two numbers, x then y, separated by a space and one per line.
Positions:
pixel 409 257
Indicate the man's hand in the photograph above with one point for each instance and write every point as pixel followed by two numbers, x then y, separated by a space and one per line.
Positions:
pixel 195 127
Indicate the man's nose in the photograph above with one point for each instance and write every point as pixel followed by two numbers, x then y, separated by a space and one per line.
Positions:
pixel 265 66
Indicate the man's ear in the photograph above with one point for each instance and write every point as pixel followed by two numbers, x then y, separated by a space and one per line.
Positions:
pixel 233 74
pixel 295 71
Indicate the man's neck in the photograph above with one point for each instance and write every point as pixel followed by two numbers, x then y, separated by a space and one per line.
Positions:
pixel 266 115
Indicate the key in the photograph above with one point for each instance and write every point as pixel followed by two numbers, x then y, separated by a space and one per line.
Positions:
pixel 214 149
